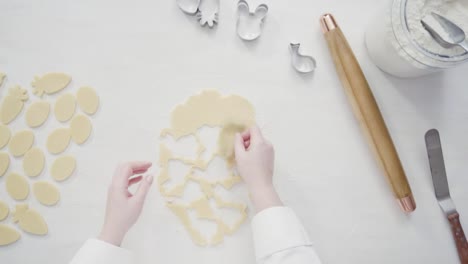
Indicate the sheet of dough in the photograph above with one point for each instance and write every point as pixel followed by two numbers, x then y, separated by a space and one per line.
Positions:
pixel 21 142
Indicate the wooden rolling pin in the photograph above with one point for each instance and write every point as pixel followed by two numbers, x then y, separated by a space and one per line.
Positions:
pixel 367 111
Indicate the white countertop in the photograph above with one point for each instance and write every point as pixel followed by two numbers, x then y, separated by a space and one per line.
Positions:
pixel 144 57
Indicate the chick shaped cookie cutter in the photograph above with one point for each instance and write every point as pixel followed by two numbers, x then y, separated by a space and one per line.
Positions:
pixel 206 11
pixel 250 24
pixel 300 62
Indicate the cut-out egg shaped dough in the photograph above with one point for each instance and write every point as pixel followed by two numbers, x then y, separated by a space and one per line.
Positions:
pixel 29 220
pixel 21 142
pixel 46 193
pixel 62 168
pixel 87 100
pixel 13 104
pixel 8 235
pixel 65 107
pixel 80 129
pixel 50 83
pixel 4 211
pixel 33 162
pixel 37 113
pixel 58 140
pixel 5 135
pixel 4 163
pixel 17 186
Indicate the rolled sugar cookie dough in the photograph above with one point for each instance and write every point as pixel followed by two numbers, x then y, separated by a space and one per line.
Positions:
pixel 65 107
pixel 17 186
pixel 21 142
pixel 63 167
pixel 46 193
pixel 58 140
pixel 4 163
pixel 4 211
pixel 37 114
pixel 5 135
pixel 80 129
pixel 87 100
pixel 29 220
pixel 33 162
pixel 50 83
pixel 8 235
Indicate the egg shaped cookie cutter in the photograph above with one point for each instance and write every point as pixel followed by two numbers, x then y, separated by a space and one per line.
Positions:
pixel 250 24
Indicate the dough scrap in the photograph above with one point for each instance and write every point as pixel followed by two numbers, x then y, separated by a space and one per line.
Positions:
pixel 4 211
pixel 46 193
pixel 58 140
pixel 87 100
pixel 21 142
pixel 4 163
pixel 8 235
pixel 50 83
pixel 181 212
pixel 13 104
pixel 33 162
pixel 5 135
pixel 80 129
pixel 62 168
pixel 29 220
pixel 37 114
pixel 65 107
pixel 17 186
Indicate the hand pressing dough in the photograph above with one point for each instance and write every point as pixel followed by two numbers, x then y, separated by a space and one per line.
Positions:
pixel 33 162
pixel 37 114
pixel 58 140
pixel 4 211
pixel 13 104
pixel 21 142
pixel 65 107
pixel 80 129
pixel 5 135
pixel 8 235
pixel 29 220
pixel 226 142
pixel 87 100
pixel 4 163
pixel 46 193
pixel 50 83
pixel 62 168
pixel 17 186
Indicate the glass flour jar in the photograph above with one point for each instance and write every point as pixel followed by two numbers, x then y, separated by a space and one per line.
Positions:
pixel 399 45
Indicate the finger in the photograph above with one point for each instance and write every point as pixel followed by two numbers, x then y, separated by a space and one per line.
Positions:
pixel 239 146
pixel 134 180
pixel 256 135
pixel 246 135
pixel 128 169
pixel 247 144
pixel 144 188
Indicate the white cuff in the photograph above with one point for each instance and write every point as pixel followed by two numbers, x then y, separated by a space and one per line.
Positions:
pixel 276 229
pixel 96 251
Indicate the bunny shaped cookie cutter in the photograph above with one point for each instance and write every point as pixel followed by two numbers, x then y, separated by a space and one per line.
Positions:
pixel 250 24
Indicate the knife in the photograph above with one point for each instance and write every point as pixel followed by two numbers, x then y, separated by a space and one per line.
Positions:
pixel 442 193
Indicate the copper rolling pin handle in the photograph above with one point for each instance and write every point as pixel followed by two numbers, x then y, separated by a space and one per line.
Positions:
pixel 367 111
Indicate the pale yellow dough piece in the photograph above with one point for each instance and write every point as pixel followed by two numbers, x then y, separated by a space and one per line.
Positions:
pixel 12 104
pixel 29 220
pixel 21 142
pixel 5 135
pixel 50 83
pixel 4 211
pixel 226 142
pixel 87 100
pixel 17 186
pixel 58 140
pixel 46 193
pixel 8 235
pixel 4 163
pixel 65 107
pixel 33 162
pixel 37 114
pixel 62 168
pixel 181 212
pixel 80 129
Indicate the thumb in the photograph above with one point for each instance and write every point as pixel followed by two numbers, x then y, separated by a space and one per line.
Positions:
pixel 144 188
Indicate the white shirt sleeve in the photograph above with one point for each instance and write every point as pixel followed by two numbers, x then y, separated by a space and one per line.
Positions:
pixel 96 251
pixel 280 237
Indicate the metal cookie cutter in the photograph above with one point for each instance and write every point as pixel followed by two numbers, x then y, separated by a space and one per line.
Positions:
pixel 206 11
pixel 249 24
pixel 301 63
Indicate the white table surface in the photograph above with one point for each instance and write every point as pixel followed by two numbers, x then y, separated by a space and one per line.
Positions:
pixel 144 57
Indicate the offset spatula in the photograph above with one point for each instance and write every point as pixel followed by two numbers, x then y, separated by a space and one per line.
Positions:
pixel 439 178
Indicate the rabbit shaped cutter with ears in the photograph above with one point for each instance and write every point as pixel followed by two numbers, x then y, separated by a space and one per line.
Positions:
pixel 250 24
